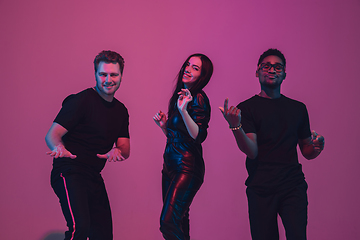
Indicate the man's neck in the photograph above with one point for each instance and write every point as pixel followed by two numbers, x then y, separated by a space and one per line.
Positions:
pixel 270 93
pixel 107 98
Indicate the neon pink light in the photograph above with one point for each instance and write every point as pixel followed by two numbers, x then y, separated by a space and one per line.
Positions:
pixel 68 199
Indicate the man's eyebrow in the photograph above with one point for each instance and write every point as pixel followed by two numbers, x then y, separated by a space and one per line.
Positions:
pixel 110 72
pixel 274 63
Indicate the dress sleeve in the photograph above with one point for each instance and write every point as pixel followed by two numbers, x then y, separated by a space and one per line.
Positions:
pixel 199 111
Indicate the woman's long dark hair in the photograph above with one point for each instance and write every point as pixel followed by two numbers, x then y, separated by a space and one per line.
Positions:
pixel 200 83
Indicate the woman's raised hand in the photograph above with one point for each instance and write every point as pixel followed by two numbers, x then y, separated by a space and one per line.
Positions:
pixel 184 99
pixel 160 119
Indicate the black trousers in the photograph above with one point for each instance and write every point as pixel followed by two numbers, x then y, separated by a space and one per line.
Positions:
pixel 85 205
pixel 178 191
pixel 291 205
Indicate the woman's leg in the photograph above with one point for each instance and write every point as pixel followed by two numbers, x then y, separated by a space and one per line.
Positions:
pixel 178 194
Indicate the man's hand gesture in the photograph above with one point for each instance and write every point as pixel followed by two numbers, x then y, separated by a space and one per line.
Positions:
pixel 113 155
pixel 60 151
pixel 232 115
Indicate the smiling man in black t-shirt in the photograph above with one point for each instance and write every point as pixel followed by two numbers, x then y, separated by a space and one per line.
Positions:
pixel 90 129
pixel 267 128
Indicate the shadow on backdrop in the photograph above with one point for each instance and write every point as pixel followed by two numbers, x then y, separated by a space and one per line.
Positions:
pixel 55 235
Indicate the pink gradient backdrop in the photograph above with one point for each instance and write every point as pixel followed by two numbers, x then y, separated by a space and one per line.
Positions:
pixel 47 49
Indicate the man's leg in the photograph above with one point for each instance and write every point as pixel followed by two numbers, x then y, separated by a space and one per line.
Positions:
pixel 100 213
pixel 71 191
pixel 262 216
pixel 293 212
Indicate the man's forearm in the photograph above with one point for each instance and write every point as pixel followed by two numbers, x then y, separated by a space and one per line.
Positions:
pixel 246 144
pixel 54 136
pixel 125 151
pixel 52 140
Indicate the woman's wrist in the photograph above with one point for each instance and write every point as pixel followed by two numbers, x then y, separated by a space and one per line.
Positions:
pixel 183 112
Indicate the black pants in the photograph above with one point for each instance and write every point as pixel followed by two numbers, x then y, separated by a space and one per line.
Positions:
pixel 85 205
pixel 291 205
pixel 178 192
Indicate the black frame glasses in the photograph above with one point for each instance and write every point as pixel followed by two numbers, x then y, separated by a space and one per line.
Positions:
pixel 278 67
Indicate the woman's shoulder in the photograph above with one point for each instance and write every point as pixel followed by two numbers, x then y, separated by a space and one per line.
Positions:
pixel 201 96
pixel 201 99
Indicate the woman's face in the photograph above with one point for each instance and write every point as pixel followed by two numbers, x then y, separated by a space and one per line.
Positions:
pixel 192 71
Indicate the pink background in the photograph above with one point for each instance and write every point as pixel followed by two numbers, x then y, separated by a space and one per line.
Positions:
pixel 47 49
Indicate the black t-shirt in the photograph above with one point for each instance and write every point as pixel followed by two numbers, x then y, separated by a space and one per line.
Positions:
pixel 93 126
pixel 279 124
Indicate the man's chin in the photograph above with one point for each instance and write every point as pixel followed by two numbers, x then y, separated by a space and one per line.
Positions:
pixel 271 85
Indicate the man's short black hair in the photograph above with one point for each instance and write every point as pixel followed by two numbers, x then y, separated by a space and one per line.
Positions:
pixel 272 52
pixel 109 57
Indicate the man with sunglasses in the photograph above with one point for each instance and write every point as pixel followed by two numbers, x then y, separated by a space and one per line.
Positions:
pixel 267 128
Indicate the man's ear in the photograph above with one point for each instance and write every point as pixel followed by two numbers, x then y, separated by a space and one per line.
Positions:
pixel 257 73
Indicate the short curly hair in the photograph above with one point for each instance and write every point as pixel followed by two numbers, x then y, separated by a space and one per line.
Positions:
pixel 272 52
pixel 109 57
